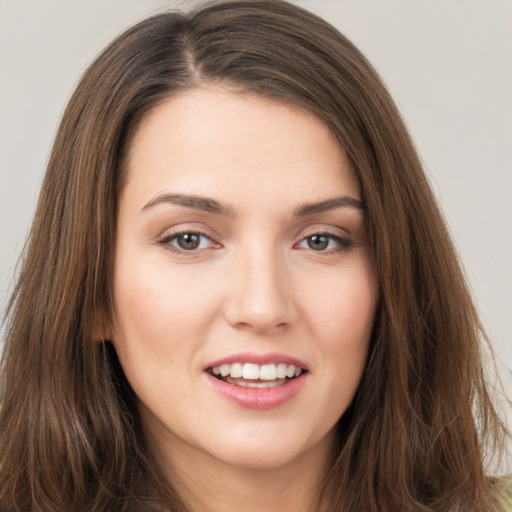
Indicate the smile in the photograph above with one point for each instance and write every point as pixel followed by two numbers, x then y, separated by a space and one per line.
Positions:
pixel 252 375
pixel 254 385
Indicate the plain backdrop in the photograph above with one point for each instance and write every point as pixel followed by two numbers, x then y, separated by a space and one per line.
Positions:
pixel 448 64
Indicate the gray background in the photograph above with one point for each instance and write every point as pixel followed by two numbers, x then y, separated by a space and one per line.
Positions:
pixel 448 64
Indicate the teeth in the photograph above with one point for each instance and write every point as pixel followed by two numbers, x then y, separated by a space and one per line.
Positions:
pixel 252 371
pixel 281 370
pixel 268 372
pixel 290 371
pixel 258 384
pixel 236 370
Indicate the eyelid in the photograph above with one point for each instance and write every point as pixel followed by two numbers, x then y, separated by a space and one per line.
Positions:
pixel 323 229
pixel 169 235
pixel 181 227
pixel 343 239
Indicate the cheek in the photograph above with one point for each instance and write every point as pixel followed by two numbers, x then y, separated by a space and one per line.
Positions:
pixel 153 295
pixel 342 318
pixel 161 315
pixel 344 310
pixel 160 318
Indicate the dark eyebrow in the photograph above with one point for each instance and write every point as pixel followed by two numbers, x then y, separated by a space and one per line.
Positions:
pixel 206 204
pixel 328 204
pixel 210 205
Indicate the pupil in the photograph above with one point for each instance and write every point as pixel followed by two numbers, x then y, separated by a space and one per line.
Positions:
pixel 318 242
pixel 189 241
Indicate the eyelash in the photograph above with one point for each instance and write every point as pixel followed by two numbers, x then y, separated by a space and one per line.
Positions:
pixel 167 240
pixel 342 243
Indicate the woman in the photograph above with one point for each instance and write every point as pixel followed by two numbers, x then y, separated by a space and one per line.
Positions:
pixel 239 292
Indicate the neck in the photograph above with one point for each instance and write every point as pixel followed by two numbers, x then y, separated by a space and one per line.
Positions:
pixel 248 491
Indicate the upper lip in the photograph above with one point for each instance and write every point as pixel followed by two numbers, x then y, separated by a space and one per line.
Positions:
pixel 260 359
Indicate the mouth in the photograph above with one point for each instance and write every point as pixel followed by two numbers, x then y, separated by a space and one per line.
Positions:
pixel 252 375
pixel 257 381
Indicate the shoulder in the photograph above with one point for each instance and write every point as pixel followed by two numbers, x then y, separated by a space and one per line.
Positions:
pixel 504 494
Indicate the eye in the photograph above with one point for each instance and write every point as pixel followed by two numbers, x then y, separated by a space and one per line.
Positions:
pixel 187 241
pixel 324 242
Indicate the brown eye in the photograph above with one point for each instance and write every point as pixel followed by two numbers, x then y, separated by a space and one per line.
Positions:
pixel 325 242
pixel 318 242
pixel 188 241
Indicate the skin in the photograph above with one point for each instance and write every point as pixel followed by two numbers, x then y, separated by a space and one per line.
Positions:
pixel 254 285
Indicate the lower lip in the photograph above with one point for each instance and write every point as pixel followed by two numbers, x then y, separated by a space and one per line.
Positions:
pixel 258 398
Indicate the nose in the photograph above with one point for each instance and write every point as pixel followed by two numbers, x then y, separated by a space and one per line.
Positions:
pixel 260 295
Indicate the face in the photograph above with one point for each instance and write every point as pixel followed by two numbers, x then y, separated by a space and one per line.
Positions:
pixel 243 285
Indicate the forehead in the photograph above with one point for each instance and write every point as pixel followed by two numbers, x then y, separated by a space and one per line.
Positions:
pixel 215 142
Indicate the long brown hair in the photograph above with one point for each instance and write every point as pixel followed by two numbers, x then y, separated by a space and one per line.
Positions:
pixel 417 432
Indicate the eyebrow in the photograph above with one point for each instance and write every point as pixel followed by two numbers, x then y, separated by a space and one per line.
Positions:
pixel 206 204
pixel 209 205
pixel 328 204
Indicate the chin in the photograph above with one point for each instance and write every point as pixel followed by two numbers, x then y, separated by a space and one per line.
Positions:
pixel 270 452
pixel 272 457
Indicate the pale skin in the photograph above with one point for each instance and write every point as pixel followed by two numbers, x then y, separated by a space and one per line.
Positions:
pixel 241 234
